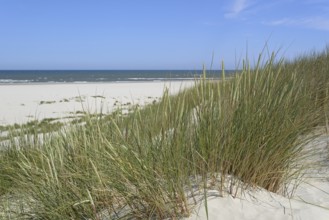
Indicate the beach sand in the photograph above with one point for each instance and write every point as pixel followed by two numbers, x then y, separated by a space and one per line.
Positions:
pixel 21 103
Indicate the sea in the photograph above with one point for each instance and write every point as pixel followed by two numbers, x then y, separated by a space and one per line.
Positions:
pixel 94 76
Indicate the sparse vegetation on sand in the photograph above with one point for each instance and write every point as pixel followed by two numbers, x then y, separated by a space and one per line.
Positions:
pixel 46 102
pixel 249 129
pixel 98 96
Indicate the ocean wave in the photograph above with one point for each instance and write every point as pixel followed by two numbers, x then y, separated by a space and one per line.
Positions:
pixel 12 81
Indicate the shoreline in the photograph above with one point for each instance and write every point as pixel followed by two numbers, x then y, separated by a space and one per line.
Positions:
pixel 99 82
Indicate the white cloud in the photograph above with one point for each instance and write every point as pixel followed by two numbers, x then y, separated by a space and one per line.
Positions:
pixel 238 7
pixel 283 21
pixel 318 23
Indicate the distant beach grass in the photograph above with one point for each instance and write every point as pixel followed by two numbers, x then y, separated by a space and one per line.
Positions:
pixel 228 134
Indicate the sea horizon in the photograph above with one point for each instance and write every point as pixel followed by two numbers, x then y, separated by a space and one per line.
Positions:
pixel 86 76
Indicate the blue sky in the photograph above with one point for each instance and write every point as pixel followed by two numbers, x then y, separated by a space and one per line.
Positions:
pixel 146 34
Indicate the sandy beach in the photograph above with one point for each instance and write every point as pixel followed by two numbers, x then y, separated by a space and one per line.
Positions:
pixel 21 103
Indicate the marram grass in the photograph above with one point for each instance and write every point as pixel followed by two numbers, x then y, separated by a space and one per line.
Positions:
pixel 250 128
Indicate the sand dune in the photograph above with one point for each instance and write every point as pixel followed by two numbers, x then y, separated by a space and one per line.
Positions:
pixel 310 200
pixel 21 103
